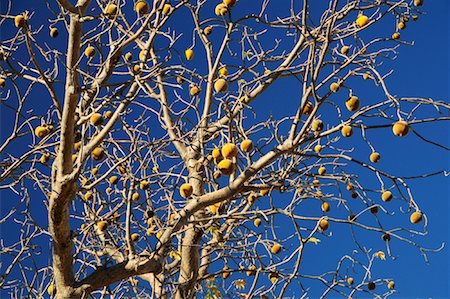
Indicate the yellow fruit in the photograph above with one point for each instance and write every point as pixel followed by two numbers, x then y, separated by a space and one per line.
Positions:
pixel 229 150
pixel 251 271
pixel 246 145
pixel 214 208
pixel 51 290
pixel 257 222
pixel 362 21
pixel 315 183
pixel 77 146
pixel 96 119
pixel 375 157
pixel 136 69
pixel 94 171
pixel 266 72
pixel 88 195
pixel 167 9
pixel 221 10
pixel 180 79
pixel 223 71
pixel 418 2
pixel 226 272
pixel 323 225
pixel 186 190
pixel 194 91
pixel 135 196
pixel 229 3
pixel 400 128
pixel 273 277
pixel 386 196
pixel 111 9
pixel 144 185
pixel 98 154
pixel 159 235
pixel 134 237
pixel 334 87
pixel 128 56
pixel 44 159
pixel 325 207
pixel 189 54
pixel 74 158
pixel 352 103
pixel 41 131
pixel 102 225
pixel 217 153
pixel 401 25
pixel 20 21
pixel 345 50
pixel 109 190
pixel 317 125
pixel 108 114
pixel 347 131
pixel 391 285
pixel 264 192
pixel 207 30
pixel 89 52
pixel 318 148
pixel 350 280
pixel 349 187
pixel 134 282
pixel 308 108
pixel 374 210
pixel 251 198
pixel 416 217
pixel 322 170
pixel 226 166
pixel 371 286
pixel 151 230
pixel 276 248
pixel 113 180
pixel 395 35
pixel 220 86
pixel 2 82
pixel 143 55
pixel 54 32
pixel 141 7
pixel 366 76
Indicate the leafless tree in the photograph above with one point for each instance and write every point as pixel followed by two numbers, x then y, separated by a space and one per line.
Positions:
pixel 133 126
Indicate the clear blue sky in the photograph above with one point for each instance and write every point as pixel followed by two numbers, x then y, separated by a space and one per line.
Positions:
pixel 421 70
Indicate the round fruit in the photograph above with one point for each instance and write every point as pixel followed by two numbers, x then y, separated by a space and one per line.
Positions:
pixel 416 217
pixel 143 55
pixel 374 210
pixel 229 3
pixel 418 2
pixel 194 91
pixel 350 280
pixel 229 150
pixel 128 56
pixel 113 180
pixel 216 153
pixel 246 145
pixel 20 21
pixel 88 195
pixel 215 208
pixel 223 71
pixel 251 271
pixel 362 21
pixel 257 222
pixel 322 170
pixel 226 272
pixel 334 87
pixel 401 25
pixel 108 114
pixel 375 157
pixel 395 35
pixel 366 76
pixel 318 148
pixel 316 183
pixel 51 290
pixel 89 52
pixel 144 185
pixel 345 50
pixel 134 237
pixel 136 69
pixel 167 9
pixel 109 190
pixel 308 108
pixel 251 198
pixel 273 277
pixel 317 125
pixel 111 9
pixel 354 195
pixel 207 30
pixel 96 119
pixel 141 7
pixel 276 248
pixel 391 285
pixel 400 128
pixel 189 54
pixel 186 190
pixel 352 103
pixel 44 159
pixel 41 131
pixel 94 171
pixel 371 286
pixel 135 196
pixel 102 225
pixel 347 131
pixel 326 207
pixel 54 32
pixel 264 192
pixel 221 10
pixel 220 86
pixel 323 225
pixel 2 83
pixel 386 196
pixel 98 154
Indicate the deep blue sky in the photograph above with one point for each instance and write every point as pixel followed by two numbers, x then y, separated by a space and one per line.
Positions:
pixel 421 70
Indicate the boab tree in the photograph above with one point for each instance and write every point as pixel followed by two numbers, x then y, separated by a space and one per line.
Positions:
pixel 133 125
